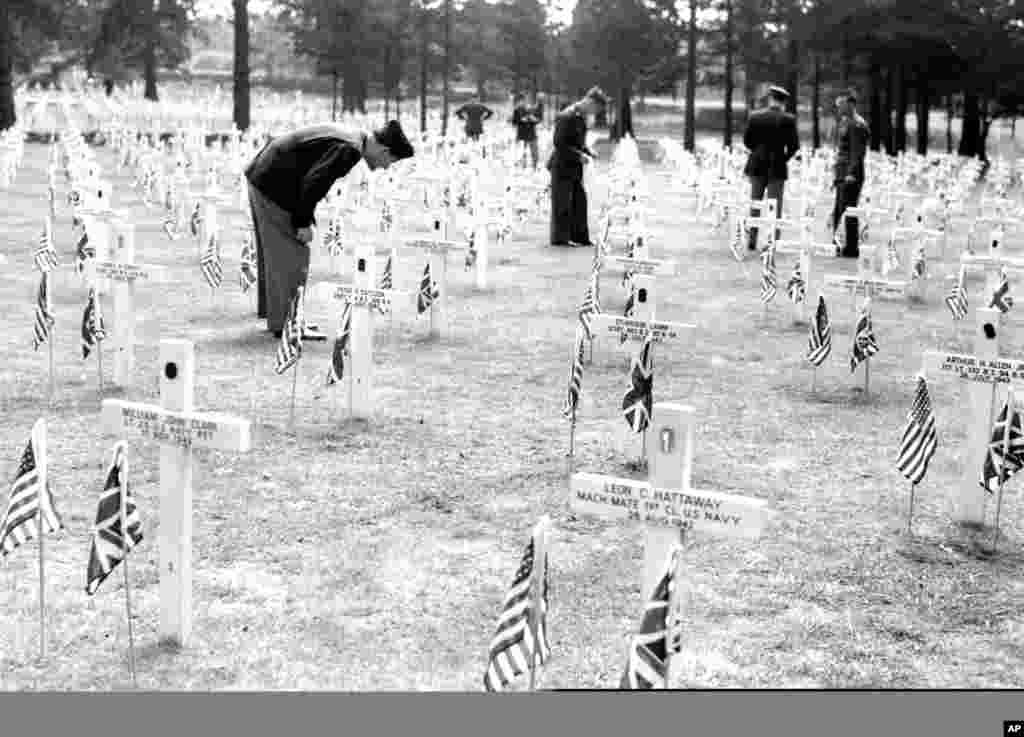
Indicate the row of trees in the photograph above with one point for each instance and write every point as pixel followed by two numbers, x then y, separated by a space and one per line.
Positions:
pixel 905 56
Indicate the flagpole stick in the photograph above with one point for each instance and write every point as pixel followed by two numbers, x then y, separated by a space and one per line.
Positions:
pixel 867 374
pixel 910 512
pixel 42 576
pixel 295 381
pixel 49 343
pixel 1003 463
pixel 540 558
pixel 99 362
pixel 127 587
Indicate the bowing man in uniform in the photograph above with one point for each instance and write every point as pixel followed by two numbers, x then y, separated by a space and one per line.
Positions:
pixel 569 226
pixel 287 179
pixel 772 138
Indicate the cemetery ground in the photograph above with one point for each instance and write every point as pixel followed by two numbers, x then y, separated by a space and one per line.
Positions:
pixel 375 555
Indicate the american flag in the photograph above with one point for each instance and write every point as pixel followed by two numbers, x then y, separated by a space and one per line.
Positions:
pixel 919 438
pixel 387 218
pixel 46 255
pixel 30 496
pixel 588 308
pixel 196 220
pixel 429 291
pixel 247 272
pixel 210 264
pixel 864 343
pixel 516 643
pixel 44 312
pixel 769 280
pixel 837 240
pixel 797 287
pixel 957 298
pixel 332 236
pixel 598 262
pixel 638 401
pixel 471 253
pixel 171 226
pixel 736 239
pixel 92 324
pixel 84 250
pixel 51 190
pixel 572 400
pixel 1003 462
pixel 647 664
pixel 820 342
pixel 919 266
pixel 290 348
pixel 1001 298
pixel 892 259
pixel 116 515
pixel 864 232
pixel 341 347
pixel 387 278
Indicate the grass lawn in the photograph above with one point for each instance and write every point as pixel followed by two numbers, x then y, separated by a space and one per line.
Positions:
pixel 375 556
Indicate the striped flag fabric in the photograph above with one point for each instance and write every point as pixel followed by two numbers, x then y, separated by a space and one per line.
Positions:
pixel 471 253
pixel 572 400
pixel 247 273
pixel 118 526
pixel 210 264
pixel 387 279
pixel 387 218
pixel 170 226
pixel 649 653
pixel 195 221
pixel 333 236
pixel 638 401
pixel 769 279
pixel 84 250
pixel 588 308
pixel 598 261
pixel 92 324
pixel 797 287
pixel 820 341
pixel 46 254
pixel 43 312
pixel 289 350
pixel 865 345
pixel 341 347
pixel 892 259
pixel 736 238
pixel 956 300
pixel 919 438
pixel 1001 298
pixel 30 497
pixel 515 644
pixel 429 291
pixel 1003 462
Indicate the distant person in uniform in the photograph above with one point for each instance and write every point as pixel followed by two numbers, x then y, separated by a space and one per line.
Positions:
pixel 474 113
pixel 851 141
pixel 525 118
pixel 569 225
pixel 772 138
pixel 287 178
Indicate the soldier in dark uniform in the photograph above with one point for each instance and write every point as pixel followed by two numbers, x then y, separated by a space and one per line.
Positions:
pixel 474 113
pixel 287 179
pixel 525 119
pixel 851 142
pixel 772 138
pixel 569 226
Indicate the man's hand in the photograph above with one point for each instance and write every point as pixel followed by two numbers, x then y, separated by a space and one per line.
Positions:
pixel 306 234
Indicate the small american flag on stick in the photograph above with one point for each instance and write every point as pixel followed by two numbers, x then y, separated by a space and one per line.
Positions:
pixel 919 438
pixel 820 341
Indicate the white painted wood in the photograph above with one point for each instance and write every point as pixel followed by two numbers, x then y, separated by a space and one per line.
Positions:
pixel 364 275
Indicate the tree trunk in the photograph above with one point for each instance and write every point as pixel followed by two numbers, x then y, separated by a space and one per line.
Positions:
pixel 334 94
pixel 481 86
pixel 900 130
pixel 727 139
pixel 793 73
pixel 949 124
pixel 424 69
pixel 923 103
pixel 240 93
pixel 689 122
pixel 875 106
pixel 447 65
pixel 8 114
pixel 816 103
pixel 888 103
pixel 970 131
pixel 624 114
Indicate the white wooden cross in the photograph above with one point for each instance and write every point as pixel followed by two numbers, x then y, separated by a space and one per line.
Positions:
pixel 667 504
pixel 636 328
pixel 766 209
pixel 437 250
pixel 987 375
pixel 805 248
pixel 366 299
pixel 179 429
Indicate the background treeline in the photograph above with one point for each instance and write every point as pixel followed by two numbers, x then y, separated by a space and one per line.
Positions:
pixel 911 60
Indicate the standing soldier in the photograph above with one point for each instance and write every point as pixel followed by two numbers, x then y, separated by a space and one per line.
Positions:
pixel 848 176
pixel 474 113
pixel 525 119
pixel 772 138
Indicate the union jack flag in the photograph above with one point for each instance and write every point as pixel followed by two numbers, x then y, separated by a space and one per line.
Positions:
pixel 919 438
pixel 30 497
pixel 210 264
pixel 864 343
pixel 92 324
pixel 290 348
pixel 84 250
pixel 1001 298
pixel 649 649
pixel 118 526
pixel 956 300
pixel 769 280
pixel 638 401
pixel 341 347
pixel 247 270
pixel 521 637
pixel 44 312
pixel 797 287
pixel 429 291
pixel 820 342
pixel 46 254
pixel 1005 456
pixel 572 399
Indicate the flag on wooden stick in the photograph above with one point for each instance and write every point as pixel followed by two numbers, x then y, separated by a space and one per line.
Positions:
pixel 1001 299
pixel 289 350
pixel 919 438
pixel 1005 456
pixel 247 272
pixel 864 343
pixel 30 497
pixel 46 254
pixel 769 280
pixel 649 652
pixel 118 525
pixel 387 278
pixel 429 291
pixel 341 347
pixel 797 287
pixel 44 312
pixel 572 399
pixel 820 342
pixel 92 324
pixel 638 401
pixel 957 298
pixel 210 264
pixel 588 308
